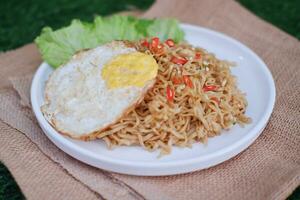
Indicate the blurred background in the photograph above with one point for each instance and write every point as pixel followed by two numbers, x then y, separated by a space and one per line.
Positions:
pixel 22 21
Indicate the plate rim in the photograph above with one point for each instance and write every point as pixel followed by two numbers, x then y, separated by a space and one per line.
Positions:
pixel 245 141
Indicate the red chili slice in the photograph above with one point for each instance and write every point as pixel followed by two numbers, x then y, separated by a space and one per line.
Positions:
pixel 187 81
pixel 170 94
pixel 197 55
pixel 159 46
pixel 170 42
pixel 154 42
pixel 158 50
pixel 145 43
pixel 176 80
pixel 180 61
pixel 209 88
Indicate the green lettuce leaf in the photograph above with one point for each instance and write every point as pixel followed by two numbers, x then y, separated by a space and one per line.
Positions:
pixel 166 28
pixel 116 28
pixel 142 26
pixel 57 47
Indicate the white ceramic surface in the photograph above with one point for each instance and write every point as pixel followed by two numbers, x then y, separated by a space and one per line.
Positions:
pixel 254 78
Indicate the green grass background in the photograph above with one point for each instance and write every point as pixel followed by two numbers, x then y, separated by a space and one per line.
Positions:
pixel 21 22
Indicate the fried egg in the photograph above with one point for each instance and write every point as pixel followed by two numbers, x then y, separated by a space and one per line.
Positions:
pixel 96 88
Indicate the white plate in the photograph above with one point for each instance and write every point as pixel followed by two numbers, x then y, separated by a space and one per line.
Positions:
pixel 254 78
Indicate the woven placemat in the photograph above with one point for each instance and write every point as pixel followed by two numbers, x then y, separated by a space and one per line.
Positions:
pixel 269 169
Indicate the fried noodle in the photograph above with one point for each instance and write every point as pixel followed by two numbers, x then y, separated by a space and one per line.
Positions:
pixel 198 111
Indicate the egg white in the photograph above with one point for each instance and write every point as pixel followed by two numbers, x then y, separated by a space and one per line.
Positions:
pixel 78 102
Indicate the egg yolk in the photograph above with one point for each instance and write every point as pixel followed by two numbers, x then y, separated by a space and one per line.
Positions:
pixel 132 69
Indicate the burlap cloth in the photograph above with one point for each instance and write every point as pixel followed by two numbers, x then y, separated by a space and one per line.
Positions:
pixel 269 169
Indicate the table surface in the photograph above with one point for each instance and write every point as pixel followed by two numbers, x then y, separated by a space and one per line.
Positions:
pixel 23 21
